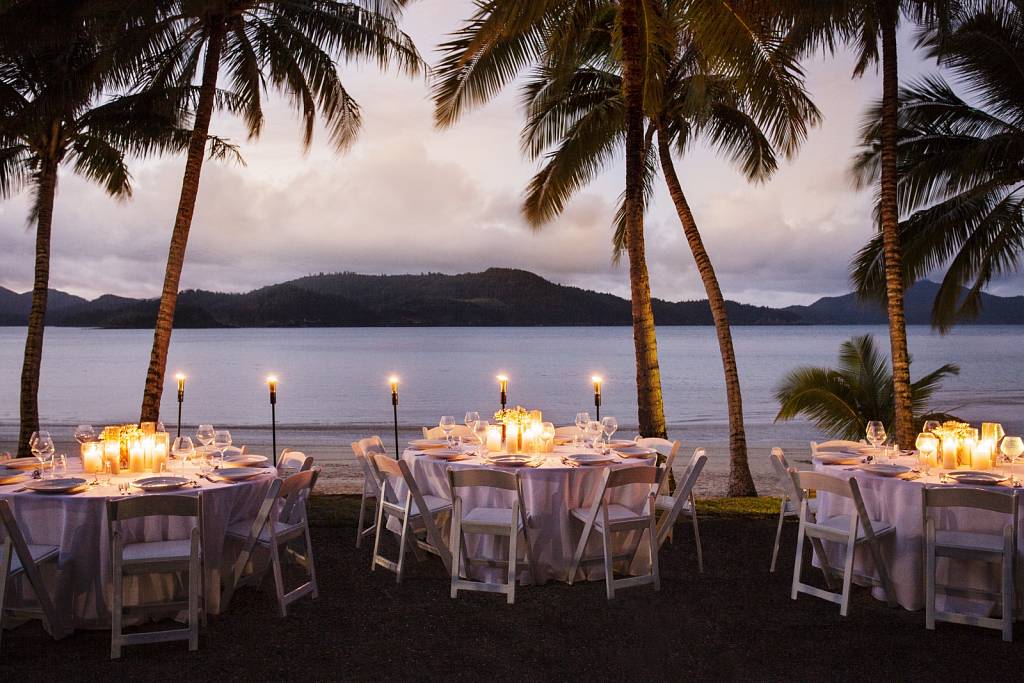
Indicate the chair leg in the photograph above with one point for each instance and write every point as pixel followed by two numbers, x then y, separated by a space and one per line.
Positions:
pixel 577 556
pixel 512 565
pixel 798 563
pixel 311 565
pixel 778 536
pixel 929 583
pixel 376 537
pixel 115 615
pixel 195 578
pixel 362 516
pixel 696 534
pixel 655 572
pixel 851 550
pixel 1008 562
pixel 6 551
pixel 456 540
pixel 402 542
pixel 609 568
pixel 275 564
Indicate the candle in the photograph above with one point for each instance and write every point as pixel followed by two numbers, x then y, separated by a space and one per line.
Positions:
pixel 949 448
pixel 272 383
pixel 967 451
pixel 393 381
pixel 512 437
pixel 112 454
pixel 981 458
pixel 161 443
pixel 494 438
pixel 181 385
pixel 136 457
pixel 92 456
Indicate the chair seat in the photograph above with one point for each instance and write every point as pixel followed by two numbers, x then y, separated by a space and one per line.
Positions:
pixel 968 540
pixel 158 551
pixel 616 514
pixel 842 523
pixel 495 516
pixel 39 553
pixel 433 503
pixel 242 529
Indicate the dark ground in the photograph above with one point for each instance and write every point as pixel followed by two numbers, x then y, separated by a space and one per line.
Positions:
pixel 735 622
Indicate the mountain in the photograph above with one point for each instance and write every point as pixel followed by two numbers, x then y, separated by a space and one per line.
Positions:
pixel 495 297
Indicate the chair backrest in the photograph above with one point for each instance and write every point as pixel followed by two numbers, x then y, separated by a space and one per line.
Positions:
pixel 13 536
pixel 363 448
pixel 846 488
pixel 495 479
pixel 294 492
pixel 993 501
pixel 389 470
pixel 626 476
pixel 372 444
pixel 835 444
pixel 662 446
pixel 161 505
pixel 438 433
pixel 785 474
pixel 293 461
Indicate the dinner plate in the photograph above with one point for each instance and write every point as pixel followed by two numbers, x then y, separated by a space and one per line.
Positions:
pixel 837 458
pixel 635 451
pixel 65 485
pixel 885 470
pixel 507 460
pixel 446 454
pixel 977 478
pixel 244 460
pixel 592 458
pixel 12 476
pixel 424 444
pixel 159 483
pixel 238 473
pixel 21 463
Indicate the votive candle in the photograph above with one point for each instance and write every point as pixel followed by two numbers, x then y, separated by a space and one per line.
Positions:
pixel 92 457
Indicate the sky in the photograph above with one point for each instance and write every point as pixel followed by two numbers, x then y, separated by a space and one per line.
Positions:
pixel 409 198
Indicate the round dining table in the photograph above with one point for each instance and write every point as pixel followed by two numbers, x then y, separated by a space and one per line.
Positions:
pixel 80 585
pixel 551 490
pixel 898 501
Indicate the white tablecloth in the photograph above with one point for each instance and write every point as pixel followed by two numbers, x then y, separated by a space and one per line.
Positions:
pixel 898 502
pixel 77 524
pixel 550 491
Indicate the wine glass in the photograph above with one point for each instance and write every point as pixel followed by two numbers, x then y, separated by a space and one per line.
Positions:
pixel 927 443
pixel 221 440
pixel 480 428
pixel 547 432
pixel 43 448
pixel 876 433
pixel 183 450
pixel 930 425
pixel 447 424
pixel 609 425
pixel 204 435
pixel 582 419
pixel 85 433
pixel 1012 447
pixel 593 432
pixel 472 417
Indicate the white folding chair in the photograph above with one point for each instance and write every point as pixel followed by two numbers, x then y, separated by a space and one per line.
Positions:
pixel 682 502
pixel 417 513
pixel 281 520
pixel 853 530
pixel 835 445
pixel 19 558
pixel 666 498
pixel 789 506
pixel 494 521
pixel 293 462
pixel 155 557
pixel 967 545
pixel 610 518
pixel 438 433
pixel 371 486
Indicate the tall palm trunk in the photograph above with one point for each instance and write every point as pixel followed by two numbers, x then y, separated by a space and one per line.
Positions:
pixel 182 224
pixel 46 190
pixel 740 481
pixel 650 407
pixel 893 258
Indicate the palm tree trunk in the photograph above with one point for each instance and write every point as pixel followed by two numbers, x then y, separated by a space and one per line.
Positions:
pixel 740 481
pixel 889 211
pixel 182 224
pixel 37 315
pixel 650 406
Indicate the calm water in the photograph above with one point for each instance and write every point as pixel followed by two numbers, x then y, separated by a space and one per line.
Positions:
pixel 335 379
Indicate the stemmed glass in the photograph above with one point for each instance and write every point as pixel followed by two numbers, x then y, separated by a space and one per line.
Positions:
pixel 43 448
pixel 547 432
pixel 221 440
pixel 876 434
pixel 183 450
pixel 85 433
pixel 927 443
pixel 480 428
pixel 593 432
pixel 582 419
pixel 609 425
pixel 472 417
pixel 1012 447
pixel 447 424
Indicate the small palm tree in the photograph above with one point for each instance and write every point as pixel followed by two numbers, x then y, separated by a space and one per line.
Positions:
pixel 287 45
pixel 961 166
pixel 841 401
pixel 53 114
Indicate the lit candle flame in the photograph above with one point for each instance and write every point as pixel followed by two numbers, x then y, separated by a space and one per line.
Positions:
pixel 272 382
pixel 503 382
pixel 393 381
pixel 596 379
pixel 181 381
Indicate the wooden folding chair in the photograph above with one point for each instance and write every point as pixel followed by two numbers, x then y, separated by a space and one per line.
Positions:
pixel 610 518
pixel 667 499
pixel 281 520
pixel 968 545
pixel 292 462
pixel 417 513
pixel 682 502
pixel 494 521
pixel 789 506
pixel 18 558
pixel 371 486
pixel 155 557
pixel 854 530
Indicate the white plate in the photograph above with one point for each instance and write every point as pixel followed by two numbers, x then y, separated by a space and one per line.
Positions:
pixel 159 483
pixel 446 454
pixel 837 458
pixel 635 451
pixel 66 485
pixel 423 444
pixel 238 473
pixel 505 460
pixel 977 478
pixel 21 463
pixel 13 476
pixel 244 460
pixel 884 470
pixel 592 458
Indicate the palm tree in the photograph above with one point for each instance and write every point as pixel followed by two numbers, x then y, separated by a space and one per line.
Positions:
pixel 870 27
pixel 961 166
pixel 289 45
pixel 841 401
pixel 505 37
pixel 54 113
